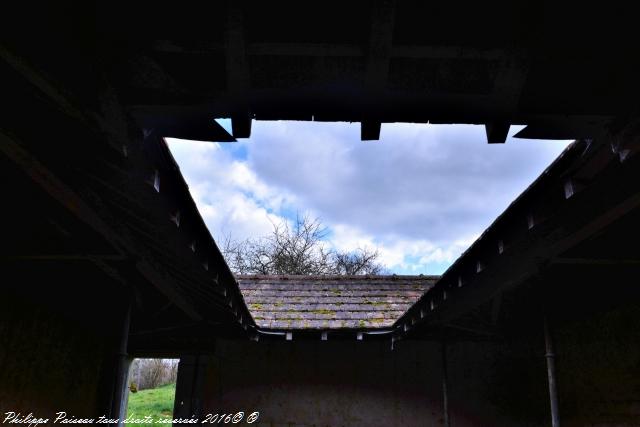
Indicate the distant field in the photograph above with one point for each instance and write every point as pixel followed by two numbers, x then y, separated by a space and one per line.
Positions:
pixel 157 402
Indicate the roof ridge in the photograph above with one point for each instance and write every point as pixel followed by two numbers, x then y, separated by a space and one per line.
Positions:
pixel 335 277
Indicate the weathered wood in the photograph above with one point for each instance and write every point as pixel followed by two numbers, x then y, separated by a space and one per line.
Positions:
pixel 551 374
pixel 497 132
pixel 564 224
pixel 78 207
pixel 235 54
pixel 370 130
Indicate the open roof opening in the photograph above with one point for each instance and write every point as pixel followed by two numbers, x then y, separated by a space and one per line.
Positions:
pixel 420 195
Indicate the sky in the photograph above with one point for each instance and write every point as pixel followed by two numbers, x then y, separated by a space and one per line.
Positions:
pixel 420 196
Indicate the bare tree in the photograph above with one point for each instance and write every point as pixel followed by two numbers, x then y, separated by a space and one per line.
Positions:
pixel 301 249
pixel 152 373
pixel 360 261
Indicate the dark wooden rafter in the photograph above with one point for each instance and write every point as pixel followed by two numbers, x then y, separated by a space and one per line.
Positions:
pixel 378 58
pixel 73 202
pixel 594 261
pixel 530 249
pixel 195 126
pixel 370 130
pixel 52 91
pixel 237 68
pixel 334 50
pixel 183 267
pixel 497 132
pixel 64 101
pixel 496 308
pixel 474 330
pixel 567 128
pixel 507 89
pixel 120 196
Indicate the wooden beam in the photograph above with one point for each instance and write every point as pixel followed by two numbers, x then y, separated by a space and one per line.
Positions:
pixel 370 130
pixel 572 221
pixel 509 82
pixel 237 66
pixel 60 192
pixel 64 102
pixel 337 50
pixel 52 91
pixel 550 357
pixel 474 330
pixel 190 387
pixel 567 128
pixel 191 125
pixel 65 257
pixel 380 43
pixel 241 125
pixel 497 132
pixel 594 261
pixel 496 307
pixel 378 59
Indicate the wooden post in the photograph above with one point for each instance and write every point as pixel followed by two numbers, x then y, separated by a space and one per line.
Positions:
pixel 445 379
pixel 551 374
pixel 119 402
pixel 190 386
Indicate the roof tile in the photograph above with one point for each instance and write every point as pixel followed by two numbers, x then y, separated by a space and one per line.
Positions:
pixel 331 302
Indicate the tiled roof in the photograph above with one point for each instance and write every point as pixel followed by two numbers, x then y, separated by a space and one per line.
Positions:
pixel 331 302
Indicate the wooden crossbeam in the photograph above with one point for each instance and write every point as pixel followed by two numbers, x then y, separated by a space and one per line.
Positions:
pixel 370 130
pixel 241 125
pixel 237 66
pixel 57 189
pixel 335 50
pixel 378 58
pixel 497 132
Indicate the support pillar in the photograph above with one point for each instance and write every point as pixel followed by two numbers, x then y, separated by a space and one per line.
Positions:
pixel 190 387
pixel 445 385
pixel 551 374
pixel 120 398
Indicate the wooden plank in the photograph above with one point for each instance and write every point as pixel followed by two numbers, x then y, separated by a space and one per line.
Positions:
pixel 77 206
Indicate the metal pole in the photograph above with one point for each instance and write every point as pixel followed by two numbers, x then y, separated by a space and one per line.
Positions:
pixel 445 395
pixel 551 374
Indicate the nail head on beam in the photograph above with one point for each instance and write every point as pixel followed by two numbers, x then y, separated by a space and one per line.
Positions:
pixel 370 130
pixel 241 125
pixel 530 221
pixel 497 132
pixel 568 189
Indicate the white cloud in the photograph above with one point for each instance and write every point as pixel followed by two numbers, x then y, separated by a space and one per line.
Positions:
pixel 400 254
pixel 421 195
pixel 230 197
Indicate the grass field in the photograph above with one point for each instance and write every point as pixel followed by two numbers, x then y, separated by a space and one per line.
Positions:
pixel 157 402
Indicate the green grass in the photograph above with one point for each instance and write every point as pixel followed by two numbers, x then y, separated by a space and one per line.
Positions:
pixel 156 402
